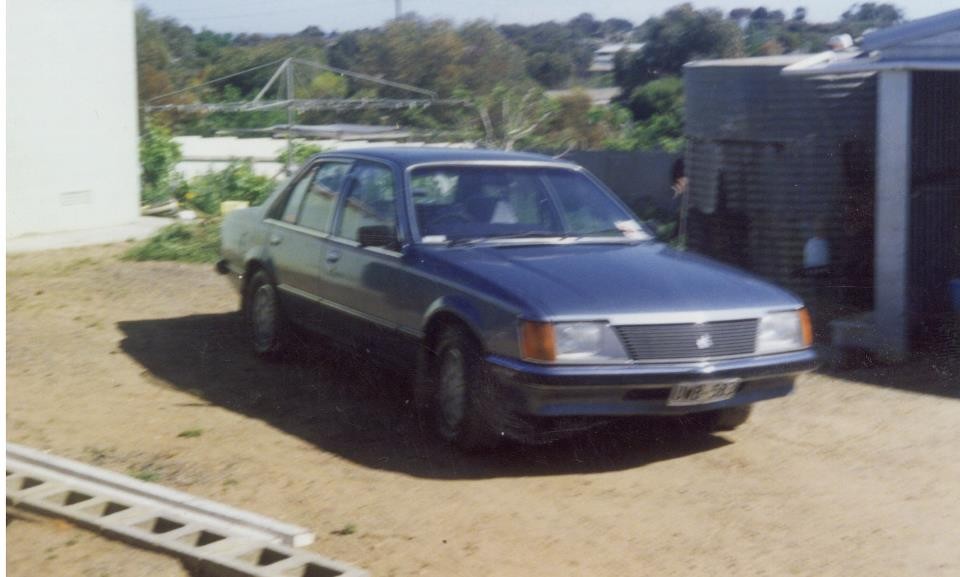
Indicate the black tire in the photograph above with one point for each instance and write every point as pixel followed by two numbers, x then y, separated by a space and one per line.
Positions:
pixel 463 399
pixel 730 419
pixel 268 328
pixel 719 420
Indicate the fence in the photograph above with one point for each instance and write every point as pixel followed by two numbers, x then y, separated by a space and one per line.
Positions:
pixel 643 179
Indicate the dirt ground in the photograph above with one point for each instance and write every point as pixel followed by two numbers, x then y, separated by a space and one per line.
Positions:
pixel 46 546
pixel 142 368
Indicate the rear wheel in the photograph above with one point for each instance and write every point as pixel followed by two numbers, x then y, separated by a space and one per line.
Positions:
pixel 463 397
pixel 264 318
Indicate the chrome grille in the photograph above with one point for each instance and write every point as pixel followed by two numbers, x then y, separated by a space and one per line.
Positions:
pixel 691 341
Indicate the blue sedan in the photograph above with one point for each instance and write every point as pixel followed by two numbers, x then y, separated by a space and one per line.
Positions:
pixel 518 285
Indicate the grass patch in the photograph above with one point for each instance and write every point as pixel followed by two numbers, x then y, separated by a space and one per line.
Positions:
pixel 182 241
pixel 97 455
pixel 348 529
pixel 190 433
pixel 146 473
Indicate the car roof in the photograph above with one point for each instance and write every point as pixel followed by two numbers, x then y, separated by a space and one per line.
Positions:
pixel 409 156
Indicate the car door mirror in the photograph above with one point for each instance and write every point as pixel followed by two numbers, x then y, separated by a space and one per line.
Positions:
pixel 377 235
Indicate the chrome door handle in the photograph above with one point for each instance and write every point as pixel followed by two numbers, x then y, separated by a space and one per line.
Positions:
pixel 275 239
pixel 333 256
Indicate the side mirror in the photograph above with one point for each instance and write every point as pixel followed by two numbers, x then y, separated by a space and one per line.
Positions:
pixel 377 235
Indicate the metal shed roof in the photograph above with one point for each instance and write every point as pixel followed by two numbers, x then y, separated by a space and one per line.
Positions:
pixel 931 43
pixel 912 31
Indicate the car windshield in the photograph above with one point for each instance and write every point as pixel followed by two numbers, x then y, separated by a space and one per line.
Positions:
pixel 502 202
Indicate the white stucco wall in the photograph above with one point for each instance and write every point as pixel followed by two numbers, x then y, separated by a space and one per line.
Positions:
pixel 72 160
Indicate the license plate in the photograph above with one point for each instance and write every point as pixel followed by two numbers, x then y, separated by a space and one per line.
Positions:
pixel 702 393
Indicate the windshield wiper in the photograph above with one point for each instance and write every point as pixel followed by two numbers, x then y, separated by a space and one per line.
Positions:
pixel 465 241
pixel 528 234
pixel 604 232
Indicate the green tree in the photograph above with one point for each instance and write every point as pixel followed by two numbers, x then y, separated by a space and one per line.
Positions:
pixel 327 85
pixel 553 38
pixel 616 29
pixel 585 25
pixel 662 96
pixel 658 109
pixel 576 123
pixel 873 13
pixel 680 35
pixel 510 114
pixel 488 59
pixel 549 68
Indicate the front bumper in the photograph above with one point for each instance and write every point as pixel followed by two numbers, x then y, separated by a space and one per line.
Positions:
pixel 640 389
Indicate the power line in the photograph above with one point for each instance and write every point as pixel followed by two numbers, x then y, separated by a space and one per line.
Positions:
pixel 305 104
pixel 215 80
pixel 367 77
pixel 294 105
pixel 284 62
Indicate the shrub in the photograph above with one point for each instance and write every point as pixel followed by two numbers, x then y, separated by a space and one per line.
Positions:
pixel 159 154
pixel 301 152
pixel 237 181
pixel 182 241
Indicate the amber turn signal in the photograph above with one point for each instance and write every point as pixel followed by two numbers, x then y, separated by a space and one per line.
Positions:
pixel 807 327
pixel 537 341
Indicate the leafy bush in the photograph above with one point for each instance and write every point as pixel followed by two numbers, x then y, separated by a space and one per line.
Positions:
pixel 302 151
pixel 658 108
pixel 182 241
pixel 158 156
pixel 237 181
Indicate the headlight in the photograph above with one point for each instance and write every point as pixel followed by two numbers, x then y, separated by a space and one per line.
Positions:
pixel 570 342
pixel 782 332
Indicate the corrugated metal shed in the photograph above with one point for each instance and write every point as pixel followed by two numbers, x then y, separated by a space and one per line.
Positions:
pixel 935 194
pixel 774 160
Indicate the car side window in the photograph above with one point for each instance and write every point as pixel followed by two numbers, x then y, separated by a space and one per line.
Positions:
pixel 320 196
pixel 295 198
pixel 370 202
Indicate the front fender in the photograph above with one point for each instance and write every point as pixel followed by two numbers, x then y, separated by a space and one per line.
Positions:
pixel 257 255
pixel 494 326
pixel 457 306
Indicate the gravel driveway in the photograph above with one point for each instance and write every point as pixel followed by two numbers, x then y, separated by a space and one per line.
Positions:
pixel 142 368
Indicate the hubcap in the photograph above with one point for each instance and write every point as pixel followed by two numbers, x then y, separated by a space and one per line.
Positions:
pixel 452 387
pixel 264 317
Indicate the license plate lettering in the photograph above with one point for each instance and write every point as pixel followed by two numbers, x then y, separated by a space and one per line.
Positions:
pixel 703 393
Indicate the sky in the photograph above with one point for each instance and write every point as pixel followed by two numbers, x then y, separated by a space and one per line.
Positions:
pixel 288 16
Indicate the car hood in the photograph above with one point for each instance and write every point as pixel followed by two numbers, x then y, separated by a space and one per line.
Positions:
pixel 591 280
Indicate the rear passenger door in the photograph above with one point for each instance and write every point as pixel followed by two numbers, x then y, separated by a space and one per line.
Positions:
pixel 297 237
pixel 364 280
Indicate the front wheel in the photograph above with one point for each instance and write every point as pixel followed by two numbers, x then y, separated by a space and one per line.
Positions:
pixel 264 319
pixel 463 399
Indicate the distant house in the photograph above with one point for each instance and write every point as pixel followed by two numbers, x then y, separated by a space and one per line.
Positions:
pixel 603 56
pixel 72 160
